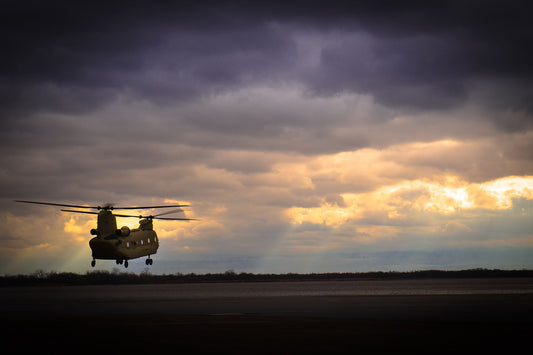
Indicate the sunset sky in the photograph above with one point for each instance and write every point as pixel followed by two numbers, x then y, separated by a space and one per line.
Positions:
pixel 307 136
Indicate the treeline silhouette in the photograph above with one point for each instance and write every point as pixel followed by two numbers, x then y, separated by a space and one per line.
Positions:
pixel 115 277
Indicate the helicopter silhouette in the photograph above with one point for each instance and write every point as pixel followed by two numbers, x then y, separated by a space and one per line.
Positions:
pixel 121 244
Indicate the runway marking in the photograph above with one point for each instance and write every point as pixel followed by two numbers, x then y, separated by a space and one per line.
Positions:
pixel 226 314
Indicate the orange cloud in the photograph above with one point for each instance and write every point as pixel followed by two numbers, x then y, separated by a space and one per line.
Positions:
pixel 404 199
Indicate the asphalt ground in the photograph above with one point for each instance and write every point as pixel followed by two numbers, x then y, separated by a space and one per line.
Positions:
pixel 59 320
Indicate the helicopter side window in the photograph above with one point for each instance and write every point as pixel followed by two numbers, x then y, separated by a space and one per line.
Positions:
pixel 127 244
pixel 142 242
pixel 148 240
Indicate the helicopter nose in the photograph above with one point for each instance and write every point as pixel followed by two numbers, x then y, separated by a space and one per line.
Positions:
pixel 102 249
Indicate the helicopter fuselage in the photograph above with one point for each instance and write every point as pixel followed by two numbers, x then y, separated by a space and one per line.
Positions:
pixel 122 244
pixel 138 243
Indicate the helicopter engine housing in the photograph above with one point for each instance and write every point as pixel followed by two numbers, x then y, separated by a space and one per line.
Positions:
pixel 123 232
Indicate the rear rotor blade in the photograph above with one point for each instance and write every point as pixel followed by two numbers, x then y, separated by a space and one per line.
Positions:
pixel 168 212
pixel 140 216
pixel 127 215
pixel 176 219
pixel 155 217
pixel 147 207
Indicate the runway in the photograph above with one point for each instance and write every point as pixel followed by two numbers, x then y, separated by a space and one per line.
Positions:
pixel 420 316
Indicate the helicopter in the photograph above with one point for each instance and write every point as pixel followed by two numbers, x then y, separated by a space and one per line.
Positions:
pixel 121 244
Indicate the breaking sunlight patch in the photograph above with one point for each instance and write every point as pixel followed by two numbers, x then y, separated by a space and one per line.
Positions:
pixel 409 198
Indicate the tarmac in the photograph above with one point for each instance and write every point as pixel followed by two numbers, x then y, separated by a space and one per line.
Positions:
pixel 67 319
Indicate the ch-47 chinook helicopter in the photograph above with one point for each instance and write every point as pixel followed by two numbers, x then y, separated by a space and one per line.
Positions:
pixel 121 244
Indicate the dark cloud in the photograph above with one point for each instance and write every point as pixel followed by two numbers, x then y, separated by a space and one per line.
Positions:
pixel 70 57
pixel 420 72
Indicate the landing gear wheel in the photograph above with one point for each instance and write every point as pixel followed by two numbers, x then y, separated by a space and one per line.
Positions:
pixel 125 263
pixel 93 263
pixel 149 261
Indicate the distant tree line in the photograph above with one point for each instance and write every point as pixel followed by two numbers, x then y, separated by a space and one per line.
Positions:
pixel 115 277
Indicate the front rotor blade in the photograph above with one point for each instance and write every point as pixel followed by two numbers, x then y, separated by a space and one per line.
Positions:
pixel 55 204
pixel 108 206
pixel 87 212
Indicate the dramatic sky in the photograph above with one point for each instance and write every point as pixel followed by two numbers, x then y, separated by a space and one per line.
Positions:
pixel 307 136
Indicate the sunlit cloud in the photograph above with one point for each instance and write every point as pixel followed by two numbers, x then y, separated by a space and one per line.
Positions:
pixel 78 231
pixel 418 196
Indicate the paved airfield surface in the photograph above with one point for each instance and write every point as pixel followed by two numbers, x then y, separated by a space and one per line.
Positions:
pixel 285 317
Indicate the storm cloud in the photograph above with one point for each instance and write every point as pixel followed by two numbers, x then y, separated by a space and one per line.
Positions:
pixel 396 53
